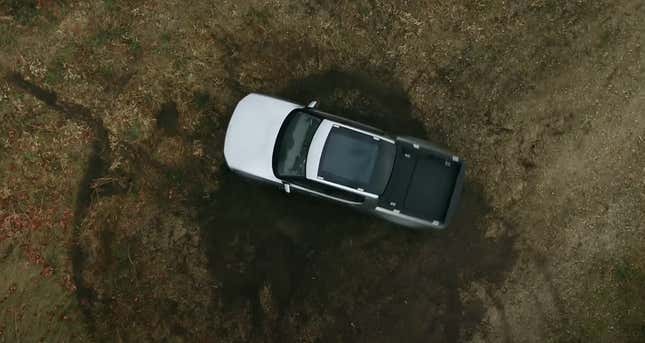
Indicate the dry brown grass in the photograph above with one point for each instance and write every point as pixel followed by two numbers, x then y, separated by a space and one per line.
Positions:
pixel 99 192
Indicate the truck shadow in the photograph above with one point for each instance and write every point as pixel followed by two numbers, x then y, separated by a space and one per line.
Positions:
pixel 296 261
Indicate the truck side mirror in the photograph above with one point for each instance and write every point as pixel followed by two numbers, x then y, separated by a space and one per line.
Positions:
pixel 287 188
pixel 313 104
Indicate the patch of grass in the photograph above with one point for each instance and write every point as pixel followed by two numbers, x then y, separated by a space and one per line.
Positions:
pixel 617 302
pixel 30 156
pixel 133 133
pixel 364 9
pixel 56 70
pixel 630 275
pixel 106 72
pixel 55 75
pixel 258 16
pixel 134 46
pixel 7 38
pixel 165 38
pixel 202 100
pixel 106 36
pixel 36 307
pixel 626 272
pixel 110 5
pixel 623 271
pixel 24 11
pixel 164 46
pixel 176 177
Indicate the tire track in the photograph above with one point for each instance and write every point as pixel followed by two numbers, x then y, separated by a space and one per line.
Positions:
pixel 96 168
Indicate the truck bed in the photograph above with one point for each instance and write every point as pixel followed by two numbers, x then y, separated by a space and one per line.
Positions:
pixel 424 183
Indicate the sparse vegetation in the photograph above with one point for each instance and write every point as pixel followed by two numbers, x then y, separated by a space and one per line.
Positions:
pixel 24 11
pixel 7 37
pixel 202 100
pixel 110 5
pixel 57 67
pixel 106 72
pixel 164 46
pixel 134 46
pixel 133 133
pixel 106 36
pixel 119 220
pixel 630 274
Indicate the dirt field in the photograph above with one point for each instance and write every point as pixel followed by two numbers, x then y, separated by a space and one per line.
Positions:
pixel 119 220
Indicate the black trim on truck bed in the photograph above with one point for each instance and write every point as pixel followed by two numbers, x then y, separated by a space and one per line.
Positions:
pixel 425 183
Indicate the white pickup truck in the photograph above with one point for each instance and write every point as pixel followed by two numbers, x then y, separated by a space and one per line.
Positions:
pixel 405 180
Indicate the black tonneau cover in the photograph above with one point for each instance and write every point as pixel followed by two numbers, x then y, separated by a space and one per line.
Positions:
pixel 424 183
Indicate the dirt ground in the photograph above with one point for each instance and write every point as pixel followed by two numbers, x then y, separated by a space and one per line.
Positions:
pixel 119 220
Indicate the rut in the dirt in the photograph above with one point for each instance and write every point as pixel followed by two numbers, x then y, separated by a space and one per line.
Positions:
pixel 96 168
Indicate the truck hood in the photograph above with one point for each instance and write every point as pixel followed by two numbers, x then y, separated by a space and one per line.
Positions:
pixel 252 132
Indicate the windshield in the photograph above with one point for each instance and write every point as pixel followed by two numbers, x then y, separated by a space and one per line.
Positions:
pixel 290 155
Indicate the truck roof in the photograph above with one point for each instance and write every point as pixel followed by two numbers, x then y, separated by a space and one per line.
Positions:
pixel 356 160
pixel 345 156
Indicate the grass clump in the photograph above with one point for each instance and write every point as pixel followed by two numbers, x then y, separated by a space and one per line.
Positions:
pixel 164 46
pixel 110 5
pixel 133 133
pixel 7 38
pixel 202 100
pixel 630 275
pixel 106 72
pixel 134 46
pixel 23 11
pixel 56 70
pixel 626 273
pixel 36 306
pixel 106 36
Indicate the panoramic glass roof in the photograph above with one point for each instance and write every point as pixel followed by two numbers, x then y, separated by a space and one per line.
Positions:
pixel 356 160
